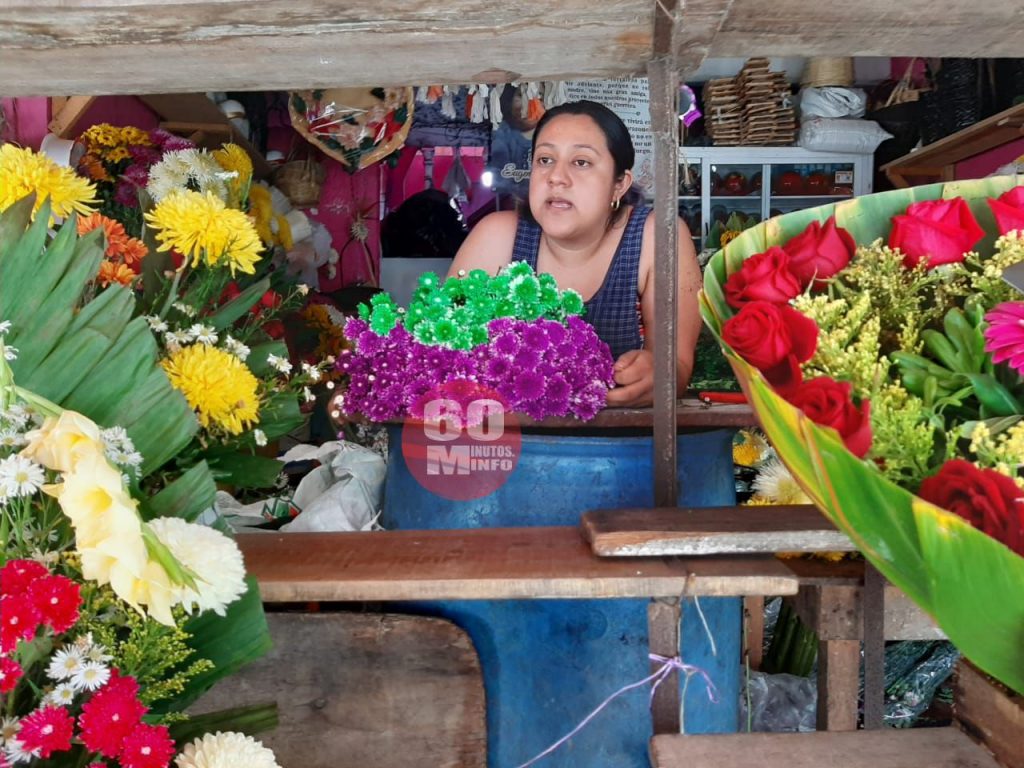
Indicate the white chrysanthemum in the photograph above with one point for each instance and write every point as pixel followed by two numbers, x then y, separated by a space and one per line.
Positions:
pixel 167 176
pixel 225 750
pixel 11 438
pixel 774 482
pixel 204 334
pixel 20 476
pixel 177 337
pixel 280 363
pixel 90 676
pixel 236 348
pixel 212 557
pixel 61 696
pixel 65 663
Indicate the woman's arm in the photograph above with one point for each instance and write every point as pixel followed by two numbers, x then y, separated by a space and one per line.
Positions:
pixel 488 246
pixel 634 371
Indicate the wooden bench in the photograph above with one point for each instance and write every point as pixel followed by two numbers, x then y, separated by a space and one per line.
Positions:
pixel 504 563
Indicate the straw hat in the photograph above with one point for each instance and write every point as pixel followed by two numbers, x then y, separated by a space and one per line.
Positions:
pixel 828 70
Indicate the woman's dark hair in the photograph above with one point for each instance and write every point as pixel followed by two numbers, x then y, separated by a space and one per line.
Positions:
pixel 616 135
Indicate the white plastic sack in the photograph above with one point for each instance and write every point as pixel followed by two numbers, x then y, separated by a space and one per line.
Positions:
pixel 344 493
pixel 826 135
pixel 833 102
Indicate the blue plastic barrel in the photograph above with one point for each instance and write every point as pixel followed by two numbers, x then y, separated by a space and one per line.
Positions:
pixel 548 663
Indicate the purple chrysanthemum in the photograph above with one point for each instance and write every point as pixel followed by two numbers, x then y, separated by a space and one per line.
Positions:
pixel 1004 337
pixel 529 385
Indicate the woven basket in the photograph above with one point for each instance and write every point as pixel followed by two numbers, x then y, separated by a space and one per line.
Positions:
pixel 300 180
pixel 823 71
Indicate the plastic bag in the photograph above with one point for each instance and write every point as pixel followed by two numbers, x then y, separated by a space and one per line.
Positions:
pixel 826 135
pixel 832 102
pixel 344 493
pixel 779 703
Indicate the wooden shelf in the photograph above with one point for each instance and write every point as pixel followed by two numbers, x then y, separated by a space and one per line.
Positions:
pixel 937 161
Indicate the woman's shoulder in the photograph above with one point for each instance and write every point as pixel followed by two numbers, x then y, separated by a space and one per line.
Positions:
pixel 498 223
pixel 489 244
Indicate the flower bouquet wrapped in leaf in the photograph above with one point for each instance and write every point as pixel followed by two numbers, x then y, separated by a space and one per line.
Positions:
pixel 117 611
pixel 882 351
pixel 514 333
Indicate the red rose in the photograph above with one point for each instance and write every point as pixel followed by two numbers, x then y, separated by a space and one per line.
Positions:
pixel 231 291
pixel 270 299
pixel 986 499
pixel 935 232
pixel 819 252
pixel 763 277
pixel 274 329
pixel 774 338
pixel 827 402
pixel 1008 209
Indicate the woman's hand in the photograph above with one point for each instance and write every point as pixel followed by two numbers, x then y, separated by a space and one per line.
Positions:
pixel 634 379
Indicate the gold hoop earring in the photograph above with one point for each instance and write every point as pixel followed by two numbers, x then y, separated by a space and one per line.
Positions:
pixel 616 203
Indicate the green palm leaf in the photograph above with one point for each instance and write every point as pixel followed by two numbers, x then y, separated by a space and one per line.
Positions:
pixel 972 585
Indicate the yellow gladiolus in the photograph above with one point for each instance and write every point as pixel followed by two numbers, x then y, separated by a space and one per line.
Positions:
pixel 95 500
pixel 60 443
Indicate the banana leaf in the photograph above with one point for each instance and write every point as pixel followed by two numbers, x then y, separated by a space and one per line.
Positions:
pixel 970 583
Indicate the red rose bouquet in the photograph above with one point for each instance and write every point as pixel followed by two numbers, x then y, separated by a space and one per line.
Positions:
pixel 883 351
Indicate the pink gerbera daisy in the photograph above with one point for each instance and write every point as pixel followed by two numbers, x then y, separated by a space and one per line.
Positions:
pixel 1004 337
pixel 46 731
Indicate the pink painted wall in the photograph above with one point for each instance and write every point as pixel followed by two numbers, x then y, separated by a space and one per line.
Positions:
pixel 26 121
pixel 986 163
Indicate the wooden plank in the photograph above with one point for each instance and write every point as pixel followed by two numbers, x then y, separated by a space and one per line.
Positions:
pixel 690 414
pixel 989 713
pixel 891 748
pixel 872 607
pixel 487 563
pixel 66 117
pixel 834 612
pixel 753 622
pixel 663 639
pixel 934 158
pixel 711 531
pixel 358 689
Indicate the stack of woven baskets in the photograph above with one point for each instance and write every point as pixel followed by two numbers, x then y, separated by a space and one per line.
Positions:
pixel 723 111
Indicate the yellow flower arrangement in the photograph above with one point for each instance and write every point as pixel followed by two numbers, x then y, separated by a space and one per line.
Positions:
pixel 217 385
pixel 203 229
pixel 24 172
pixel 233 159
pixel 261 209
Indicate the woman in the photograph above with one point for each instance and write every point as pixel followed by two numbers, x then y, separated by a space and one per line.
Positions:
pixel 588 228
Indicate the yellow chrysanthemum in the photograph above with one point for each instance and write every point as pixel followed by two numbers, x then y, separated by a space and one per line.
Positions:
pixel 284 233
pixel 261 209
pixel 24 172
pixel 233 159
pixel 203 229
pixel 217 385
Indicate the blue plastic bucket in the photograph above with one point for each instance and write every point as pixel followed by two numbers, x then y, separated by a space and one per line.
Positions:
pixel 548 663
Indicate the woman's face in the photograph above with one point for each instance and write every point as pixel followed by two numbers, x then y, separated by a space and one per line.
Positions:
pixel 572 179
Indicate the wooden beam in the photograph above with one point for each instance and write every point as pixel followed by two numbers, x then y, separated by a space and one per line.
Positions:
pixel 663 618
pixel 69 113
pixel 486 563
pixel 691 414
pixel 988 712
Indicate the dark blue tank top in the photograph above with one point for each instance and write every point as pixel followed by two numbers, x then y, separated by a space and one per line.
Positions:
pixel 614 310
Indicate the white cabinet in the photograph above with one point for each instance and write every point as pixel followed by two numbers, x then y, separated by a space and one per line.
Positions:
pixel 749 184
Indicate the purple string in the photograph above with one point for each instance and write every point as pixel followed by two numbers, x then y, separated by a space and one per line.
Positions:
pixel 668 665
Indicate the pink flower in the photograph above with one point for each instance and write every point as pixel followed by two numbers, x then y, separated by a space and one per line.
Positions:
pixel 935 232
pixel 1004 337
pixel 46 731
pixel 57 599
pixel 147 746
pixel 19 620
pixel 10 674
pixel 16 576
pixel 111 715
pixel 1008 210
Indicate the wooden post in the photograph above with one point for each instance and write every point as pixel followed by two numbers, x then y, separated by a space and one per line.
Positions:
pixel 838 671
pixel 68 114
pixel 753 622
pixel 873 611
pixel 663 79
pixel 663 616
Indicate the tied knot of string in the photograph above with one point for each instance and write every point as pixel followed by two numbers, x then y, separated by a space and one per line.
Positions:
pixel 669 664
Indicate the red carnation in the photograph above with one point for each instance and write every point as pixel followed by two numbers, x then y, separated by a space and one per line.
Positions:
pixel 57 598
pixel 10 674
pixel 147 746
pixel 19 620
pixel 16 575
pixel 46 731
pixel 111 715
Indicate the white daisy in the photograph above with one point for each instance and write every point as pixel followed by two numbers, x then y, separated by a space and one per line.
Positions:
pixel 61 696
pixel 236 348
pixel 15 752
pixel 10 438
pixel 90 676
pixel 307 395
pixel 16 416
pixel 185 309
pixel 212 557
pixel 204 334
pixel 20 476
pixel 225 750
pixel 65 663
pixel 280 363
pixel 260 437
pixel 8 729
pixel 156 323
pixel 178 338
pixel 114 436
pixel 312 371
